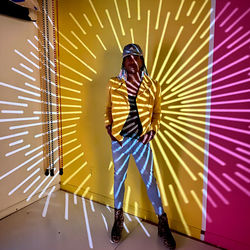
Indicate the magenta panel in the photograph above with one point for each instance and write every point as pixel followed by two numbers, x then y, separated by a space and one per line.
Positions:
pixel 228 204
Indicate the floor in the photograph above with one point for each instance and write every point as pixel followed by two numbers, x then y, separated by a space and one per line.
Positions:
pixel 67 222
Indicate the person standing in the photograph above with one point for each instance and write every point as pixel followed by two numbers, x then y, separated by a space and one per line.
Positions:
pixel 132 118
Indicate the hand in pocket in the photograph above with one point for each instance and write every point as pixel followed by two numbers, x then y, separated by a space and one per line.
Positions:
pixel 147 137
pixel 109 128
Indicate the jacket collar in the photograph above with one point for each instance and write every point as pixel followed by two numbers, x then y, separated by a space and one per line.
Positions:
pixel 122 88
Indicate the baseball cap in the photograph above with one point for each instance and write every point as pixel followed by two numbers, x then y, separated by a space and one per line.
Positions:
pixel 132 49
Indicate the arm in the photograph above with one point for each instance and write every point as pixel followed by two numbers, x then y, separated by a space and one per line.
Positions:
pixel 108 108
pixel 156 117
pixel 108 114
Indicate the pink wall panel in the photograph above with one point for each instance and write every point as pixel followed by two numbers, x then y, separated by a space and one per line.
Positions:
pixel 229 192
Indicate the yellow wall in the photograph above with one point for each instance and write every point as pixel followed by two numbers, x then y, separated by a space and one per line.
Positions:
pixel 85 67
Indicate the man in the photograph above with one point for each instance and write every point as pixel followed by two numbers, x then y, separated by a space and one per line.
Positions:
pixel 132 118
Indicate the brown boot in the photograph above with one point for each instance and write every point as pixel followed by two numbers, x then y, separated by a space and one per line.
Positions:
pixel 116 232
pixel 165 233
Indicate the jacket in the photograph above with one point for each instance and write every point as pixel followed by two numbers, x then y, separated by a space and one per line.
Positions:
pixel 148 102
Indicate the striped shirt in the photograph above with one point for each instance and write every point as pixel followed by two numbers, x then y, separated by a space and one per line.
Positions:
pixel 132 127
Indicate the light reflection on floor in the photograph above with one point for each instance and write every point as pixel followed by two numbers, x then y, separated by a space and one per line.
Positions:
pixel 66 221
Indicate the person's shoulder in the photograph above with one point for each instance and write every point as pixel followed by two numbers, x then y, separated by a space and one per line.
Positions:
pixel 114 78
pixel 150 79
pixel 152 82
pixel 113 81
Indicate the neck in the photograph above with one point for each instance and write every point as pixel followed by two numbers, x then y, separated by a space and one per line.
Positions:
pixel 133 83
pixel 134 77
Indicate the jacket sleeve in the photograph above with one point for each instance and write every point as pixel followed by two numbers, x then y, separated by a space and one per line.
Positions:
pixel 156 116
pixel 108 109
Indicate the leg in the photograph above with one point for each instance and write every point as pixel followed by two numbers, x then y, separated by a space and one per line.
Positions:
pixel 144 163
pixel 121 160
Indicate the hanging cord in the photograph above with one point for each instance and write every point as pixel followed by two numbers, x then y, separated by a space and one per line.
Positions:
pixel 50 95
pixel 58 90
pixel 46 90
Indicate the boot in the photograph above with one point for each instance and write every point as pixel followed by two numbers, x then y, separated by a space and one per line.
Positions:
pixel 165 233
pixel 116 232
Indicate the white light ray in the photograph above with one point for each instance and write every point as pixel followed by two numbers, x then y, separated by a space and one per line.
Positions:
pixel 191 8
pixel 87 223
pixel 158 15
pixel 200 206
pixel 12 111
pixel 160 43
pixel 237 40
pixel 127 215
pixel 17 150
pixel 83 44
pixel 237 184
pixel 15 143
pixel 92 205
pixel 77 23
pixel 113 29
pixel 36 163
pixel 242 177
pixel 13 135
pixel 29 99
pixel 108 208
pixel 54 130
pixel 44 190
pixel 179 10
pixel 237 20
pixel 23 74
pixel 32 86
pixel 26 58
pixel 38 177
pixel 138 10
pixel 119 17
pixel 243 151
pixel 31 195
pixel 26 67
pixel 101 42
pixel 32 44
pixel 199 12
pixel 24 181
pixel 128 9
pixel 20 119
pixel 242 167
pixel 147 37
pixel 96 14
pixel 36 57
pixel 14 103
pixel 75 199
pixel 66 214
pixel 105 222
pixel 142 226
pixel 47 202
pixel 228 17
pixel 72 44
pixel 87 19
pixel 125 226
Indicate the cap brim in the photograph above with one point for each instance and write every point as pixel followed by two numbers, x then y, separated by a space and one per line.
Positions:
pixel 134 54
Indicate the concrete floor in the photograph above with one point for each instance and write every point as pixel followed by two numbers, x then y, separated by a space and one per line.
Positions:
pixel 67 222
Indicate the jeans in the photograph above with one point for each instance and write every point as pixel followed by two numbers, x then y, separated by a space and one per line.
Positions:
pixel 143 156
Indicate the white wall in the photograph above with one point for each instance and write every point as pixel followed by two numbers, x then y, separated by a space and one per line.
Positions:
pixel 14 174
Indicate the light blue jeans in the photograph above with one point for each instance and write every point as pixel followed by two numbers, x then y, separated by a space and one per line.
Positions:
pixel 143 156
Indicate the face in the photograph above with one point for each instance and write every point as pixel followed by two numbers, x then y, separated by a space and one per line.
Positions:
pixel 132 64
